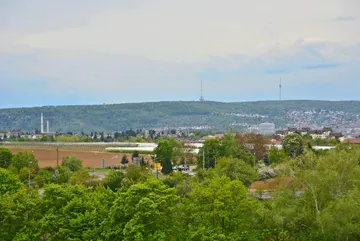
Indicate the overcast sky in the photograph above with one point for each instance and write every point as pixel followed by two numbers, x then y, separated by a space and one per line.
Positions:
pixel 56 52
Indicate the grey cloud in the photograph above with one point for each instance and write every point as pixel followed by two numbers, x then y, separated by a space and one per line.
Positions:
pixel 345 18
pixel 131 78
pixel 133 50
pixel 170 30
pixel 44 15
pixel 90 73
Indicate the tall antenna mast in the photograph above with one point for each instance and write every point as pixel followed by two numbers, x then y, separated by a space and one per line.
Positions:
pixel 280 90
pixel 282 112
pixel 201 96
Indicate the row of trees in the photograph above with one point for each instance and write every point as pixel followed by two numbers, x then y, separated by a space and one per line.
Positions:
pixel 250 148
pixel 127 135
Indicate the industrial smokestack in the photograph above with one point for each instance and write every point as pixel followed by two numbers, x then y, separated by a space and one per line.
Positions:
pixel 47 127
pixel 42 123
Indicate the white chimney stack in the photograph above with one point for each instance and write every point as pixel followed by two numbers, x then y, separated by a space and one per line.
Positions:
pixel 42 123
pixel 47 127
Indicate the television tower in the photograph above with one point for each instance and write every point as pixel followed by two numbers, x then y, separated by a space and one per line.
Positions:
pixel 282 112
pixel 280 90
pixel 201 95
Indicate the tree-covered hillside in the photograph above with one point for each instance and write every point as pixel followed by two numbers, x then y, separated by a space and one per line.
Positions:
pixel 214 115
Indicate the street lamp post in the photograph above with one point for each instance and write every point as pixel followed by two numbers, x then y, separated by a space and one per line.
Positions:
pixel 157 168
pixel 254 159
pixel 57 155
pixel 29 173
pixel 95 153
pixel 185 161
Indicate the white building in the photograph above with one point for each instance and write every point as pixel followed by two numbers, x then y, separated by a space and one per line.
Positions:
pixel 267 129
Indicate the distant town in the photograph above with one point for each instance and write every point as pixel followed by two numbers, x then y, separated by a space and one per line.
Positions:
pixel 324 136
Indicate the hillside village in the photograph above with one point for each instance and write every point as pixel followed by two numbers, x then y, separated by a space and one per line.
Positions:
pixel 320 136
pixel 187 117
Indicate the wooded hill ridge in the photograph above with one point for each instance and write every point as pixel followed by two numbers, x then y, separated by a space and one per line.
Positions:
pixel 181 114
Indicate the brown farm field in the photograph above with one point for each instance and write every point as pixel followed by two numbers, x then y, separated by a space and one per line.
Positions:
pixel 48 156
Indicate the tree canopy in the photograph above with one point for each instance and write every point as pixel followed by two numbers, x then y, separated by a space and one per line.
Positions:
pixel 164 150
pixel 167 166
pixel 72 163
pixel 5 157
pixel 310 197
pixel 228 147
pixel 24 159
pixel 293 145
pixel 9 182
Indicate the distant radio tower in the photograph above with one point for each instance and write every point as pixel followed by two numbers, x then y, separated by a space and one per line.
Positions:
pixel 282 112
pixel 280 90
pixel 201 95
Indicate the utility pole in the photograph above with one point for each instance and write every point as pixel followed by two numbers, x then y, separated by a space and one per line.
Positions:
pixel 280 104
pixel 185 160
pixel 57 155
pixel 254 159
pixel 29 173
pixel 95 153
pixel 208 158
pixel 203 159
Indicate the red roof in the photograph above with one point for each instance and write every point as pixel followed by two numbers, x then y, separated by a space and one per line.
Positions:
pixel 271 184
pixel 352 141
pixel 276 142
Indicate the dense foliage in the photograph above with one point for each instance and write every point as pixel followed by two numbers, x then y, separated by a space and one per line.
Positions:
pixel 8 182
pixel 293 145
pixel 228 147
pixel 5 158
pixel 72 163
pixel 319 200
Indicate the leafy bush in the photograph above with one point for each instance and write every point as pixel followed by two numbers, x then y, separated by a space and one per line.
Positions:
pixel 74 164
pixel 5 157
pixel 24 159
pixel 9 182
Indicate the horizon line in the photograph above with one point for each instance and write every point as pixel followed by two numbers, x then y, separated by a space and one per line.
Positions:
pixel 194 101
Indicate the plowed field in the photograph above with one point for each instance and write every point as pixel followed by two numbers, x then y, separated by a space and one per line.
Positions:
pixel 48 157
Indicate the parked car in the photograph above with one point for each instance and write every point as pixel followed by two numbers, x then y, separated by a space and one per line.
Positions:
pixel 181 168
